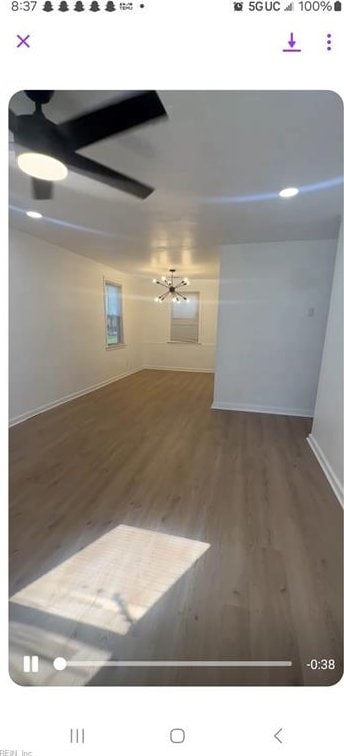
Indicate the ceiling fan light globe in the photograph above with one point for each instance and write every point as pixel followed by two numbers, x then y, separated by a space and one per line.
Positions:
pixel 40 166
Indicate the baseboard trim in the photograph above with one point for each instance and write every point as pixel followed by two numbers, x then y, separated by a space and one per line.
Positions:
pixel 68 398
pixel 334 482
pixel 261 409
pixel 178 369
pixel 207 344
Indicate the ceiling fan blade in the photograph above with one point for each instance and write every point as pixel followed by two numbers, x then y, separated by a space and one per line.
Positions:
pixel 12 118
pixel 86 167
pixel 42 190
pixel 112 119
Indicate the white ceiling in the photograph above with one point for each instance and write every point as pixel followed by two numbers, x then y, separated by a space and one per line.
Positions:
pixel 215 146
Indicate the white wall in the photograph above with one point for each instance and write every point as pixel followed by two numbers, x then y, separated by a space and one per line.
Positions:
pixel 326 438
pixel 159 352
pixel 57 327
pixel 269 349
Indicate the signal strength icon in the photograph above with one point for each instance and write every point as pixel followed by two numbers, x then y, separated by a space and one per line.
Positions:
pixel 289 7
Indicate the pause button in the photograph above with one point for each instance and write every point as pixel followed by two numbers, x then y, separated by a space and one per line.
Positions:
pixel 30 664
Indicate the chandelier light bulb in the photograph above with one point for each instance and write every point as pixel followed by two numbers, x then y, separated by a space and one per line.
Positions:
pixel 172 288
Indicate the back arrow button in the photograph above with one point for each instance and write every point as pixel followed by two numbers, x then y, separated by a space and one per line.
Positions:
pixel 276 735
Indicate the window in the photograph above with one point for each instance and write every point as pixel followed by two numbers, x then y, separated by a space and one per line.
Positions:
pixel 113 313
pixel 184 319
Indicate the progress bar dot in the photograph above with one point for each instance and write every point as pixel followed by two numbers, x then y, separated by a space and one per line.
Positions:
pixel 59 663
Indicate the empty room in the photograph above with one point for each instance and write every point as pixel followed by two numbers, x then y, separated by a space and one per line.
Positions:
pixel 175 388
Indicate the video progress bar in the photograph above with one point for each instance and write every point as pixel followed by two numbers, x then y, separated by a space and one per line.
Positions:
pixel 223 664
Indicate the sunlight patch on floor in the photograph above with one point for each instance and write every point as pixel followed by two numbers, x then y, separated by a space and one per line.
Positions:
pixel 114 581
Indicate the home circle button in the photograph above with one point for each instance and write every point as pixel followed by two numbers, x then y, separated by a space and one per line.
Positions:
pixel 177 735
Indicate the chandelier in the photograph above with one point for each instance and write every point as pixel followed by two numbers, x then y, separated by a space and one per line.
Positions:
pixel 172 292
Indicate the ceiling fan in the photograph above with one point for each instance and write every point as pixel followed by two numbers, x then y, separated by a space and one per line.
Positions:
pixel 52 147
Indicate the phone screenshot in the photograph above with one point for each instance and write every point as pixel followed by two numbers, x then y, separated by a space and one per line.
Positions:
pixel 172 402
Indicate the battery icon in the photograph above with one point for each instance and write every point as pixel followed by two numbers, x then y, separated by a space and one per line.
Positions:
pixel 337 6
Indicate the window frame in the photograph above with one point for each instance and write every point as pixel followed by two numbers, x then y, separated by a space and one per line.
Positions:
pixel 117 285
pixel 186 341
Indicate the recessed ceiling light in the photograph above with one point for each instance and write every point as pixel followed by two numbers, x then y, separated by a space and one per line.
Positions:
pixel 41 166
pixel 290 191
pixel 33 214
